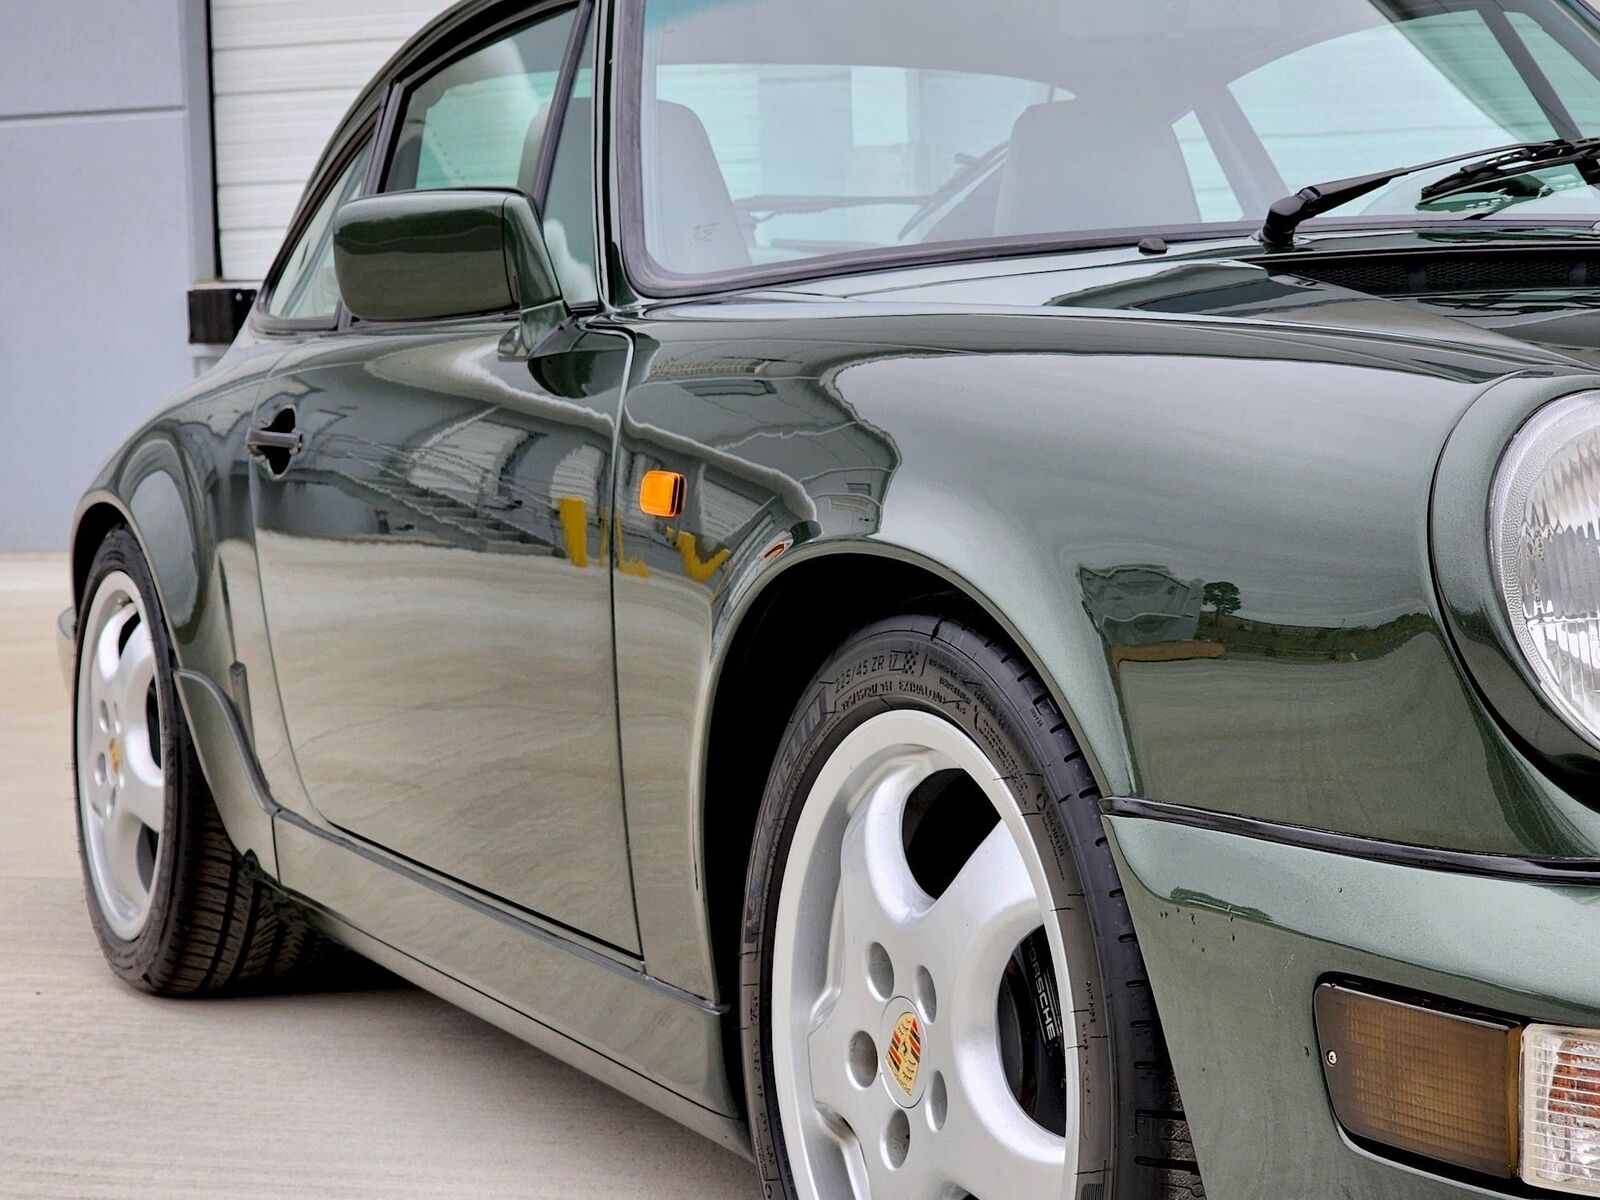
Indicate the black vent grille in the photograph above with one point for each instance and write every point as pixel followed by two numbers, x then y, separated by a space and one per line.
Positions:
pixel 1361 275
pixel 1413 274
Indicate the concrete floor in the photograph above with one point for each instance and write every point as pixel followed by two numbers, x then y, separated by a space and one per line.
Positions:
pixel 108 1093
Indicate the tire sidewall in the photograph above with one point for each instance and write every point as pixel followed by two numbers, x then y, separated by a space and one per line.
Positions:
pixel 134 959
pixel 947 670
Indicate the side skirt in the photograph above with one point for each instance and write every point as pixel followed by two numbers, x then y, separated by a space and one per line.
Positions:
pixel 724 1130
pixel 651 1040
pixel 654 1037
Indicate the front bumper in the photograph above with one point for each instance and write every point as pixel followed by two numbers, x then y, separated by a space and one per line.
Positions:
pixel 1237 932
pixel 66 644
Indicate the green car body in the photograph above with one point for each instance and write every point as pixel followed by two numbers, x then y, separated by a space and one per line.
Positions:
pixel 1232 509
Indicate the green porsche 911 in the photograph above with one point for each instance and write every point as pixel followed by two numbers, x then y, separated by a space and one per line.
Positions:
pixel 990 600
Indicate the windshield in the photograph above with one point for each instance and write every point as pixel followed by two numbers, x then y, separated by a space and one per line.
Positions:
pixel 775 132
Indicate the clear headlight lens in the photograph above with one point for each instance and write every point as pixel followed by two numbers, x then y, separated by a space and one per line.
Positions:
pixel 1547 552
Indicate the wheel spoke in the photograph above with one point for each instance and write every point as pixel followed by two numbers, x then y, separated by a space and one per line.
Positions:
pixel 828 1050
pixel 142 793
pixel 122 836
pixel 881 896
pixel 973 928
pixel 836 1090
pixel 108 648
pixel 136 671
pixel 990 1147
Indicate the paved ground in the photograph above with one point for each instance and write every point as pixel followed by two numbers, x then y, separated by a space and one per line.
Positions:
pixel 107 1093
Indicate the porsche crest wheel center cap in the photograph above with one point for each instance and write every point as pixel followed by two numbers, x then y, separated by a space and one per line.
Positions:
pixel 902 1054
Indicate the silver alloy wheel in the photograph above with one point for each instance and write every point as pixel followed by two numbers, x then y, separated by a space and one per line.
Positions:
pixel 122 787
pixel 864 957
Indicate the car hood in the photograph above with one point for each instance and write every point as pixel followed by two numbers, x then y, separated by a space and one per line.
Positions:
pixel 1515 295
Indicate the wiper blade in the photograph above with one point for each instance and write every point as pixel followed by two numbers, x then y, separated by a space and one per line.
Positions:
pixel 1493 174
pixel 1493 166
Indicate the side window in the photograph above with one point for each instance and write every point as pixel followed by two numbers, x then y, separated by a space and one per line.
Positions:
pixel 480 122
pixel 307 289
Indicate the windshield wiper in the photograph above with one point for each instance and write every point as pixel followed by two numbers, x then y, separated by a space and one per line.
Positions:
pixel 1493 168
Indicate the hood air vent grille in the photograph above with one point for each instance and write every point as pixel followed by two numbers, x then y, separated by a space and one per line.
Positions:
pixel 1479 271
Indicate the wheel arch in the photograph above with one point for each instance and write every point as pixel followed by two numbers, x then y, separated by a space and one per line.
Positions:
pixel 776 640
pixel 148 489
pixel 97 517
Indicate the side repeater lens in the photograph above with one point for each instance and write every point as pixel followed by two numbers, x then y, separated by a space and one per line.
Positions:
pixel 1561 1109
pixel 1546 543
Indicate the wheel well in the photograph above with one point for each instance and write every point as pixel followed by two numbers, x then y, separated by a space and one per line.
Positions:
pixel 795 625
pixel 95 525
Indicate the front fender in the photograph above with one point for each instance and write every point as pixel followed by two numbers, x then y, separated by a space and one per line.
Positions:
pixel 1211 537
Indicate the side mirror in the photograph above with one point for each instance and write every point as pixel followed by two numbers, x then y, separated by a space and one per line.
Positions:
pixel 418 256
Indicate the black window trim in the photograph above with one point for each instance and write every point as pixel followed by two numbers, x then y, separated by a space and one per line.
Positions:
pixel 333 168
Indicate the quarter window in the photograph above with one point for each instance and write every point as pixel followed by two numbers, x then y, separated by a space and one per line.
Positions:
pixel 307 289
pixel 481 121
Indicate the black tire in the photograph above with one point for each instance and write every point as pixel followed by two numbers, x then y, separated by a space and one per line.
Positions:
pixel 215 925
pixel 980 684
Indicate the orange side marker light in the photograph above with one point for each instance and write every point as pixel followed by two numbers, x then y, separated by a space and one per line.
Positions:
pixel 661 493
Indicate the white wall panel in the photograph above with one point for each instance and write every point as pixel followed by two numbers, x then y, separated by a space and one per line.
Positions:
pixel 75 56
pixel 94 227
pixel 284 73
pixel 104 221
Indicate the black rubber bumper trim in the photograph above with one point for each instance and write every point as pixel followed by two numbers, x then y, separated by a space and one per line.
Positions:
pixel 1578 872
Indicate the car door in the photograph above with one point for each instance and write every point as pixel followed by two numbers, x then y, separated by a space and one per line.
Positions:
pixel 430 509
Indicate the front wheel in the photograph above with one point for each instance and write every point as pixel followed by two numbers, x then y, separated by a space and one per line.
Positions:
pixel 942 992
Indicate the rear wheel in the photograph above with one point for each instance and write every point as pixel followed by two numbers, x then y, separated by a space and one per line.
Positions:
pixel 176 910
pixel 942 993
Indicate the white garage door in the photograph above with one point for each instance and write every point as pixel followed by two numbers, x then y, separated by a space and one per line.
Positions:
pixel 284 72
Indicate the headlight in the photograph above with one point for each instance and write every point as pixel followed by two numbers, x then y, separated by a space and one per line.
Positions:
pixel 1547 552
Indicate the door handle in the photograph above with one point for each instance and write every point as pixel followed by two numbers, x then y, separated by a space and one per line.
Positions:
pixel 276 442
pixel 262 440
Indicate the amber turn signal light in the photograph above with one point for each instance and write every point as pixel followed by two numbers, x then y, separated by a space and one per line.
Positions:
pixel 661 493
pixel 1421 1079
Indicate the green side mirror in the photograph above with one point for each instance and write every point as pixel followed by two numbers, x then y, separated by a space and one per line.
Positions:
pixel 417 256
